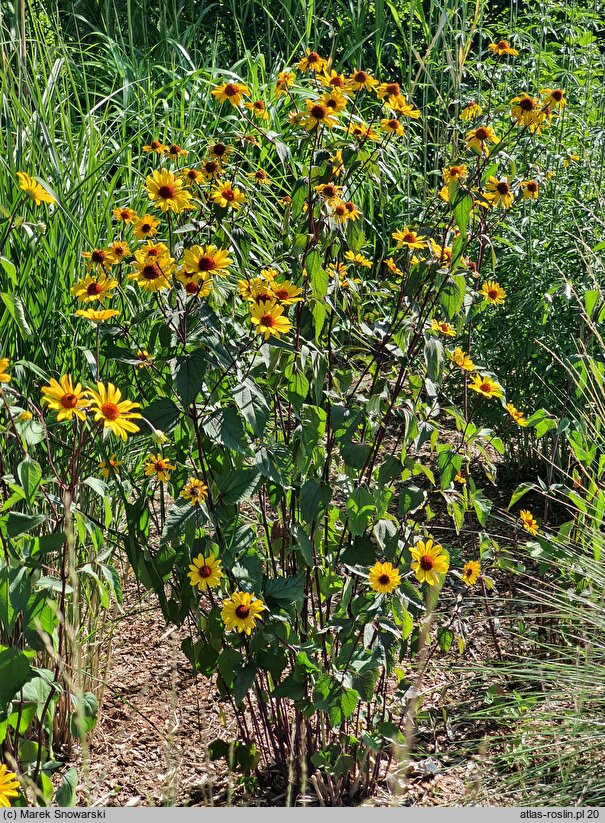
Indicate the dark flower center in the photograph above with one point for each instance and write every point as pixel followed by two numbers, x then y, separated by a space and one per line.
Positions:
pixel 557 95
pixel 206 263
pixel 481 134
pixel 159 466
pixel 145 227
pixel 527 104
pixel 69 401
pixel 384 579
pixel 230 89
pixel 151 271
pixel 426 563
pixel 393 88
pixel 267 320
pixel 155 144
pixel 205 571
pixel 242 612
pixel 502 44
pixel 532 186
pixel 191 287
pixel 313 57
pixel 94 288
pixel 318 112
pixel 282 294
pixel 503 188
pixel 329 191
pixel 228 194
pixel 219 149
pixel 98 256
pixel 166 192
pixel 360 77
pixel 110 411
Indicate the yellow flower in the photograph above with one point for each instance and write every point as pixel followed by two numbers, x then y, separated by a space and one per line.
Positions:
pixel 337 163
pixel 9 786
pixel 406 237
pixel 358 259
pixel 124 214
pixel 360 79
pixel 99 259
pixel 232 92
pixel 285 81
pixel 477 138
pixel 152 274
pixel 462 360
pixel 517 416
pixel 339 212
pixel 156 147
pixel 117 414
pixel 391 94
pixel 205 572
pixel 429 561
pixel 269 318
pixel 4 377
pixel 258 109
pixel 259 176
pixel 329 192
pixel 225 196
pixel 195 491
pixel 110 467
pixel 168 191
pixel 97 316
pixel 485 386
pixel 454 173
pixel 146 226
pixel 255 290
pixel 94 288
pixel 158 466
pixel 393 267
pixel 392 125
pixel 499 192
pixel 193 177
pixel 352 210
pixel 33 189
pixel 384 578
pixel 206 261
pixel 471 111
pixel 501 48
pixel 524 109
pixel 441 327
pixel 194 286
pixel 335 101
pixel 220 151
pixel 460 478
pixel 25 417
pixel 173 151
pixel 317 114
pixel 471 572
pixel 333 80
pixel 361 132
pixel 65 398
pixel 119 250
pixel 530 189
pixel 493 292
pixel 443 254
pixel 312 61
pixel 286 293
pixel 144 358
pixel 241 611
pixel 150 252
pixel 555 98
pixel 530 524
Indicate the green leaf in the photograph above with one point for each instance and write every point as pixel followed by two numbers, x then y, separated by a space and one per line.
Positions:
pixel 318 278
pixel 225 426
pixel 445 638
pixel 237 485
pixel 16 309
pixel 66 793
pixel 15 672
pixel 244 678
pixel 298 388
pixel 314 499
pixel 410 499
pixel 30 477
pixel 18 523
pixel 202 656
pixel 360 510
pixel 449 465
pixel 176 520
pixel 283 591
pixel 452 296
pixel 253 406
pixel 161 414
pixel 85 714
pixel 304 544
pixel 189 372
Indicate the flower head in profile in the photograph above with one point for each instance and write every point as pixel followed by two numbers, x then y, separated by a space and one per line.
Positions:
pixel 65 398
pixel 384 578
pixel 553 98
pixel 231 92
pixel 393 267
pixel 167 191
pixel 493 292
pixel 124 214
pixel 429 560
pixel 192 177
pixel 110 467
pixel 269 319
pixel 158 466
pixel 441 327
pixel 392 126
pixel 4 376
pixel 174 151
pixel 195 491
pixel 485 386
pixel 392 95
pixel 517 416
pixel 205 572
pixel 471 111
pixel 524 109
pixel 117 414
pixel 286 292
pixel 312 61
pixel 502 48
pixel 454 173
pixel 32 189
pixel 258 109
pixel 99 287
pixel 499 193
pixel 462 360
pixel 335 101
pixel 285 81
pixel 97 316
pixel 408 238
pixel 9 786
pixel 530 189
pixel 530 524
pixel 146 227
pixel 471 572
pixel 329 192
pixel 241 611
pixel 155 147
pixel 226 196
pixel 478 138
pixel 260 177
pixel 99 259
pixel 358 259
